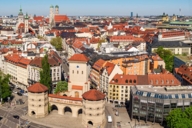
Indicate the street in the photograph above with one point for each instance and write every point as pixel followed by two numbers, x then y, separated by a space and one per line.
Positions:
pixel 12 114
pixel 65 67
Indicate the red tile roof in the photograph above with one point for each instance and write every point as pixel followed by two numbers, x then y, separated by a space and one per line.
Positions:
pixel 151 79
pixel 38 18
pixel 98 65
pixel 65 97
pixel 122 38
pixel 79 57
pixel 37 88
pixel 109 67
pixel 185 72
pixel 61 18
pixel 93 95
pixel 77 87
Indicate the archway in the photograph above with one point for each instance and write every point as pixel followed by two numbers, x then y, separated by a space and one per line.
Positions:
pixel 89 124
pixel 64 94
pixel 67 111
pixel 77 94
pixel 80 112
pixel 32 113
pixel 54 108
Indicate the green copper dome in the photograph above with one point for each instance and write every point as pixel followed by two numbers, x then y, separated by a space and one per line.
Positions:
pixel 51 6
pixel 56 6
pixel 26 16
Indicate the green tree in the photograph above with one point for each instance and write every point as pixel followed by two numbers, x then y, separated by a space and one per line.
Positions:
pixel 45 77
pixel 179 119
pixel 4 86
pixel 167 56
pixel 100 42
pixel 62 86
pixel 57 43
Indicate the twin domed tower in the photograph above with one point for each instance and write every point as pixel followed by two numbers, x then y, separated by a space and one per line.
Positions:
pixel 53 12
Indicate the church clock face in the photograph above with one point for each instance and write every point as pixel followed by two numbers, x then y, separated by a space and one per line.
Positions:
pixel 77 66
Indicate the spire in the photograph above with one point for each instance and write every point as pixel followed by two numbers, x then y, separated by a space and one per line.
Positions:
pixel 20 9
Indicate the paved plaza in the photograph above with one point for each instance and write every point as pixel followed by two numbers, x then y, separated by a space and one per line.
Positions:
pixel 55 120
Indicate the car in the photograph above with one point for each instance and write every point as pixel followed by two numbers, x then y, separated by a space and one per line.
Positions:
pixel 16 116
pixel 19 94
pixel 18 88
pixel 109 118
pixel 15 92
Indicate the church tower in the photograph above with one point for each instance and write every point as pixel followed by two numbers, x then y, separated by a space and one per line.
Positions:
pixel 51 15
pixel 20 16
pixel 26 23
pixel 56 10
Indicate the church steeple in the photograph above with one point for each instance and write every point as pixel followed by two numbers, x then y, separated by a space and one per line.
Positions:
pixel 20 11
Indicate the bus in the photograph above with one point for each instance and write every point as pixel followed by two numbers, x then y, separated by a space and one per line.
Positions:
pixel 109 118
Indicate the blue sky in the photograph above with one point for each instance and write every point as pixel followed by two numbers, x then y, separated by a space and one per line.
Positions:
pixel 98 7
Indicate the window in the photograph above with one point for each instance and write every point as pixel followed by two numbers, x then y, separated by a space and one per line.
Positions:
pixel 39 105
pixel 77 72
pixel 39 99
pixel 81 72
pixel 97 108
pixel 98 114
pixel 73 71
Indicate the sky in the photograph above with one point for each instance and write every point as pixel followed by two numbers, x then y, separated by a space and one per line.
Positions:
pixel 97 7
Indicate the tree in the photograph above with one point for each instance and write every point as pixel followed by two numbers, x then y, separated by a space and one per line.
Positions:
pixel 45 77
pixel 100 42
pixel 179 119
pixel 167 56
pixel 57 43
pixel 5 91
pixel 61 87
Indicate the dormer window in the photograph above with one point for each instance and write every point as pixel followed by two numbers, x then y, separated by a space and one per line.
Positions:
pixel 134 81
pixel 126 81
pixel 172 81
pixel 130 81
pixel 162 81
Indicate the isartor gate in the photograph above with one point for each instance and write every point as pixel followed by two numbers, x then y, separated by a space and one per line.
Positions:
pixel 66 104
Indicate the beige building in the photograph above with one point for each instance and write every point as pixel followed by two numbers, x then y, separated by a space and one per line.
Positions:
pixel 109 71
pixel 79 74
pixel 119 87
pixel 38 100
pixel 93 109
pixel 35 67
pixel 22 73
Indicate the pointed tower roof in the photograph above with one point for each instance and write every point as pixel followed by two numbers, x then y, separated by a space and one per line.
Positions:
pixel 37 88
pixel 20 11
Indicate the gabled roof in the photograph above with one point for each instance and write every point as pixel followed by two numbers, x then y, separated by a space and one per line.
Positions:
pixel 61 18
pixel 37 88
pixel 93 95
pixel 109 67
pixel 79 57
pixel 98 65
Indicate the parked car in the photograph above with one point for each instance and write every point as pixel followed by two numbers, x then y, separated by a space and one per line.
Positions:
pixel 109 118
pixel 16 116
pixel 19 94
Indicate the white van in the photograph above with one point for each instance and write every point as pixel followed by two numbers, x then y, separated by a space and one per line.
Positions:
pixel 109 118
